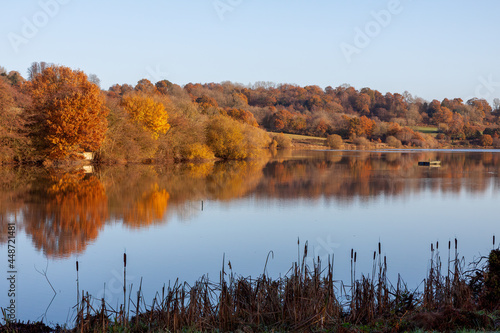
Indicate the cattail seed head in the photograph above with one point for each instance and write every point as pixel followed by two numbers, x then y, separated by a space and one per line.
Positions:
pixel 77 265
pixel 124 260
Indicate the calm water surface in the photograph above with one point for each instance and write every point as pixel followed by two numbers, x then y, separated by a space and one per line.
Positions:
pixel 179 221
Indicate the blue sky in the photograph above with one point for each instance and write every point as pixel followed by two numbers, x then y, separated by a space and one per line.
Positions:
pixel 433 49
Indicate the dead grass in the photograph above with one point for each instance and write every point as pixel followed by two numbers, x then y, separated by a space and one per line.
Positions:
pixel 307 299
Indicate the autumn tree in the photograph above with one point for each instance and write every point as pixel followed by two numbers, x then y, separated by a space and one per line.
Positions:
pixel 362 126
pixel 334 141
pixel 393 142
pixel 126 140
pixel 146 87
pixel 231 139
pixel 37 68
pixel 207 104
pixel 225 138
pixel 164 87
pixel 443 115
pixel 282 141
pixel 243 116
pixel 456 127
pixel 361 103
pixel 68 113
pixel 13 142
pixel 486 140
pixel 151 114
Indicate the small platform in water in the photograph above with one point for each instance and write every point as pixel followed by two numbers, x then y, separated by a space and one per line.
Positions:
pixel 430 163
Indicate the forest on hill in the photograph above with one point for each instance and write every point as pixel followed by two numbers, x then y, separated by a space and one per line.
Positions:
pixel 57 113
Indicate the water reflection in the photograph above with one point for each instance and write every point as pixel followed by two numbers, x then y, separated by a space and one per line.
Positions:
pixel 62 212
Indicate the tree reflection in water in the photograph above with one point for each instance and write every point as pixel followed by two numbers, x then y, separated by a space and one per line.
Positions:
pixel 63 211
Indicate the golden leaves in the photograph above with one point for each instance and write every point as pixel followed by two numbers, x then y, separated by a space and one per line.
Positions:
pixel 149 113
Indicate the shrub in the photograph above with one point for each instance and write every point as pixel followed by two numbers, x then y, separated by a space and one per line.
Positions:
pixel 230 139
pixel 393 142
pixel 441 136
pixel 283 141
pixel 197 151
pixel 496 143
pixel 334 141
pixel 362 143
pixel 486 140
pixel 225 138
pixel 255 140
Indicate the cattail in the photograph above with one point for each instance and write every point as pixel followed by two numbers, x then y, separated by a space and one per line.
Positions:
pixel 432 247
pixel 374 254
pixel 355 253
pixel 125 284
pixel 456 244
pixel 437 245
pixel 449 244
pixel 352 253
pixel 77 260
pixel 379 248
pixel 77 287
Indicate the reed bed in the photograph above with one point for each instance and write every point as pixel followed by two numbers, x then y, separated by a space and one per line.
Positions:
pixel 308 299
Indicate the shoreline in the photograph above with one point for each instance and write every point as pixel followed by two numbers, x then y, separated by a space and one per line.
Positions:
pixel 307 299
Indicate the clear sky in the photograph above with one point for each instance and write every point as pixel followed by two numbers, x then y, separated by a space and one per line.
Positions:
pixel 433 49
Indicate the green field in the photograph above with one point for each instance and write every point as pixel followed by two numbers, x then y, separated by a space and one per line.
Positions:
pixel 304 140
pixel 303 137
pixel 426 129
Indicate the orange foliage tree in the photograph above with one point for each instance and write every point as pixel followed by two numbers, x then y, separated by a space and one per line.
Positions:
pixel 362 126
pixel 486 140
pixel 149 113
pixel 68 112
pixel 243 116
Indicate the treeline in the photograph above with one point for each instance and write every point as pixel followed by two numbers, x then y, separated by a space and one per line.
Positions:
pixel 58 113
pixel 351 113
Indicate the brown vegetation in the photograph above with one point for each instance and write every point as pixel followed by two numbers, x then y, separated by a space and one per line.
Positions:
pixel 67 113
pixel 309 299
pixel 58 121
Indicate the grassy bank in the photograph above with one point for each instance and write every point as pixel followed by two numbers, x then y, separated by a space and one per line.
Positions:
pixel 453 298
pixel 313 142
pixel 426 129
